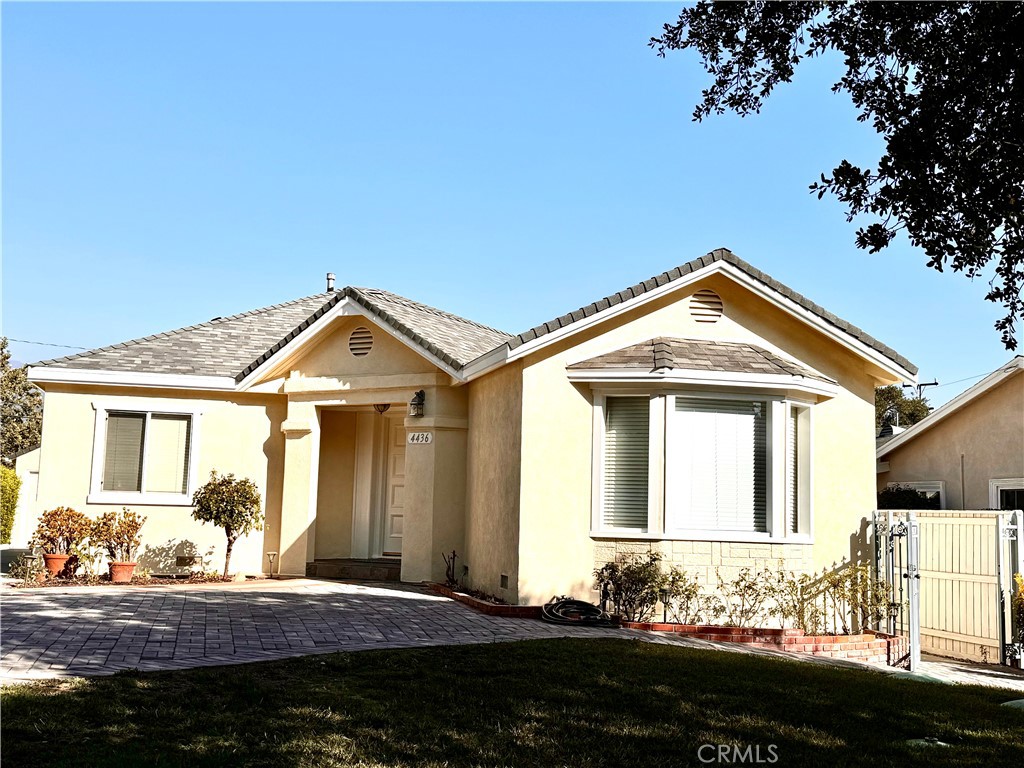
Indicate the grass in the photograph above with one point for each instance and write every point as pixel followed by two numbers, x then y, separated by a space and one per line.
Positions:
pixel 541 703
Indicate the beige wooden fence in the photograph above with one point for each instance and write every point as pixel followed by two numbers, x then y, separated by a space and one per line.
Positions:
pixel 959 587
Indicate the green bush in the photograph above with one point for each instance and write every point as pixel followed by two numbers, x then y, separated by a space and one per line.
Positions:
pixel 905 497
pixel 10 487
pixel 634 584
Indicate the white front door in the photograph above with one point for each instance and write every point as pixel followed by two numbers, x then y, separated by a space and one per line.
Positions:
pixel 393 508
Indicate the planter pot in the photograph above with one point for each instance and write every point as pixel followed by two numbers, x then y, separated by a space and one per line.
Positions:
pixel 55 563
pixel 121 573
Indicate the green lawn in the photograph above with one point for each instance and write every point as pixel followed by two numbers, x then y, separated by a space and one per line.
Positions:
pixel 541 703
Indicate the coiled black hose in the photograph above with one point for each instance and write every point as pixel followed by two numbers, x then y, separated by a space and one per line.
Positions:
pixel 565 610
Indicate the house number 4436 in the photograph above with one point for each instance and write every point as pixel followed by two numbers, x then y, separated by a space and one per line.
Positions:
pixel 420 438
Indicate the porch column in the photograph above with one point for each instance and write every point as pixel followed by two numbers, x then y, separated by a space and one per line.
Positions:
pixel 298 503
pixel 435 487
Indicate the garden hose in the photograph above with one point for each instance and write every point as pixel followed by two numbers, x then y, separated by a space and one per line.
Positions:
pixel 565 610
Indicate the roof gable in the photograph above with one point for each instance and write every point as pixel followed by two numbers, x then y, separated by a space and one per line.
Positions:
pixel 958 403
pixel 667 280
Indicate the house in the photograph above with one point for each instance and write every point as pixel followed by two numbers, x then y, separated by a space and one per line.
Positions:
pixel 969 452
pixel 710 413
pixel 26 464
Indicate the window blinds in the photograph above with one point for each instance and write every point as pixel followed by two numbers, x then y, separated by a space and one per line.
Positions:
pixel 122 465
pixel 167 453
pixel 792 473
pixel 716 478
pixel 626 446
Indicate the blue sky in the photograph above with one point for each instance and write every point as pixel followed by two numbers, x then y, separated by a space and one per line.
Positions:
pixel 165 164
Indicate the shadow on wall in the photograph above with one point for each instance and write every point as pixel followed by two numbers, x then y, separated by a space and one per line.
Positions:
pixel 175 558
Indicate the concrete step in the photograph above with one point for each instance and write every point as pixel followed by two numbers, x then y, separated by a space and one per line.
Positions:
pixel 377 569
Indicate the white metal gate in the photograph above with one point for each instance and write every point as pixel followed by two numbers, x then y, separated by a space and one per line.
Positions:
pixel 952 577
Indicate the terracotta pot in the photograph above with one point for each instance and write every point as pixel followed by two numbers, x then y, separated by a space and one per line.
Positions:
pixel 121 573
pixel 55 563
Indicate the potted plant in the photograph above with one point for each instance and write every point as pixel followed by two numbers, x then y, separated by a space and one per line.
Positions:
pixel 60 530
pixel 118 534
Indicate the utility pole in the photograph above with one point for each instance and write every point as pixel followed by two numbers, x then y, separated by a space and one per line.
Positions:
pixel 920 387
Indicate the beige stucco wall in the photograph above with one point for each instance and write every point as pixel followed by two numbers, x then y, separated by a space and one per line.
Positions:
pixel 238 433
pixel 988 432
pixel 556 553
pixel 493 481
pixel 335 484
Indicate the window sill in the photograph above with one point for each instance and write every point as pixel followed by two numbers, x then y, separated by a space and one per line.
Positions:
pixel 737 537
pixel 128 498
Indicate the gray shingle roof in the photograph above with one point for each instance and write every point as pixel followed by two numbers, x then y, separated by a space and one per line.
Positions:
pixel 727 256
pixel 235 346
pixel 221 347
pixel 696 354
pixel 451 338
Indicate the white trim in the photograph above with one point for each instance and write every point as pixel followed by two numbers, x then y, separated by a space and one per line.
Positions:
pixel 995 485
pixel 45 374
pixel 148 406
pixel 683 377
pixel 503 354
pixel 702 535
pixel 994 379
pixel 344 308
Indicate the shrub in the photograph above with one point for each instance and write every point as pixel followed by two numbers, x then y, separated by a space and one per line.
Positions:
pixel 845 598
pixel 60 530
pixel 1017 647
pixel 745 598
pixel 10 487
pixel 118 534
pixel 686 602
pixel 231 504
pixel 634 585
pixel 905 497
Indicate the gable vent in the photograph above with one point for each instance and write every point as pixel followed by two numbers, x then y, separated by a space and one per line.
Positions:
pixel 706 306
pixel 360 342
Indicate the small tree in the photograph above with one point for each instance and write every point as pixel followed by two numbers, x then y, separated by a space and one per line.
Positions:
pixel 10 487
pixel 231 504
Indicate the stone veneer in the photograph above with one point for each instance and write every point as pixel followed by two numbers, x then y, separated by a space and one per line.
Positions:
pixel 702 558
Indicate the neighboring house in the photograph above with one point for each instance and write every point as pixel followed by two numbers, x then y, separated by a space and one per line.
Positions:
pixel 969 452
pixel 26 465
pixel 710 413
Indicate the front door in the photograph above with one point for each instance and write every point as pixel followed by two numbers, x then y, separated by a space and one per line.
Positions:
pixel 393 507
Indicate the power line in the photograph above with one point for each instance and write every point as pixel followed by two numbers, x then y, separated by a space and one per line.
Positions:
pixel 958 381
pixel 45 343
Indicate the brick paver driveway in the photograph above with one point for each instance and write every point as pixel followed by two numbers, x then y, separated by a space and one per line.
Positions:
pixel 83 631
pixel 96 631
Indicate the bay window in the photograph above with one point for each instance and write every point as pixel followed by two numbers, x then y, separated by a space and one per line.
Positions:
pixel 702 466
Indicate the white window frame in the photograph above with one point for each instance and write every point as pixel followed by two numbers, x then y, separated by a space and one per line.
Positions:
pixel 997 484
pixel 662 404
pixel 148 407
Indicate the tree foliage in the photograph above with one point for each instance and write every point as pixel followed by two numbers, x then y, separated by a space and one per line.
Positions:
pixel 231 504
pixel 10 488
pixel 905 497
pixel 941 83
pixel 894 407
pixel 21 409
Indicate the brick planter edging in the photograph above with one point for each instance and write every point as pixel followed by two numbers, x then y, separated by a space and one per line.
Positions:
pixel 490 609
pixel 869 646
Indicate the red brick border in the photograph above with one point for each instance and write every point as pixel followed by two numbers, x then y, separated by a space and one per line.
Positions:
pixel 869 646
pixel 491 609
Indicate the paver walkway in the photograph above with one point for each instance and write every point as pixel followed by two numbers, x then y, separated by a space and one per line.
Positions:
pixel 85 631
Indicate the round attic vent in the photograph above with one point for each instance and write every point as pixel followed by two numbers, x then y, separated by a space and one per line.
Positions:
pixel 706 306
pixel 360 342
